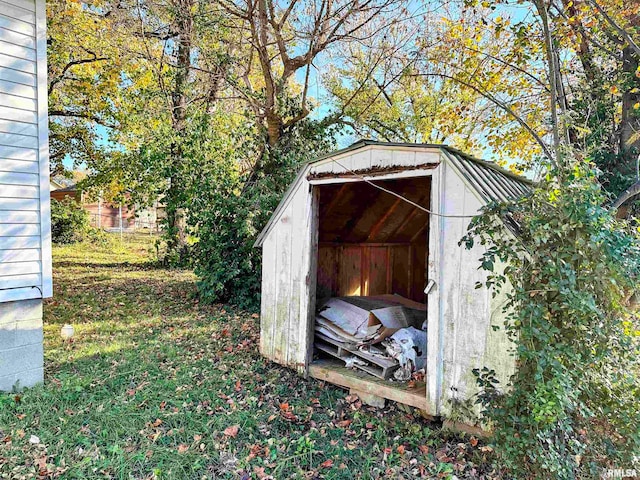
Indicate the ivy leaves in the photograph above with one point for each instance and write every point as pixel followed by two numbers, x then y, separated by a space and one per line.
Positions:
pixel 573 400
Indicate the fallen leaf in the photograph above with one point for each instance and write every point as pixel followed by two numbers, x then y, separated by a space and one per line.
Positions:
pixel 401 449
pixel 232 431
pixel 327 464
pixel 473 441
pixel 182 448
pixel 157 423
pixel 34 439
pixel 424 449
pixel 344 423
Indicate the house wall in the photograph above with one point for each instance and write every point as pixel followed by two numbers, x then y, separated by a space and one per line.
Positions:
pixel 467 315
pixel 25 236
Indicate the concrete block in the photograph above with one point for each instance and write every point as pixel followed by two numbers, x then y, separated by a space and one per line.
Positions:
pixel 21 359
pixel 20 310
pixel 28 332
pixel 21 350
pixel 29 378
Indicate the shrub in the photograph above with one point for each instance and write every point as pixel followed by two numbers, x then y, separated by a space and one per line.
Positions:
pixel 572 407
pixel 228 209
pixel 69 221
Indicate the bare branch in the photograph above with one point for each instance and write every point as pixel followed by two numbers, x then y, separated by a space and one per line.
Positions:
pixel 629 193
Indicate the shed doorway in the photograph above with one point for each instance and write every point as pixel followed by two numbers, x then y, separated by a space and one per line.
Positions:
pixel 372 250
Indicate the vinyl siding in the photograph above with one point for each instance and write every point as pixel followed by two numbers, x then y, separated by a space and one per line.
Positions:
pixel 25 249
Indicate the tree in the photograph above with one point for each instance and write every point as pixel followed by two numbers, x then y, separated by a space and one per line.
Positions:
pixel 85 64
pixel 287 38
pixel 482 95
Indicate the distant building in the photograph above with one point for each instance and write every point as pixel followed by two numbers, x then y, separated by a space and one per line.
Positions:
pixel 106 215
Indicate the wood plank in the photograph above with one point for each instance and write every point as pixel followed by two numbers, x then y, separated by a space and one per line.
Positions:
pixel 327 272
pixel 312 277
pixel 26 255
pixel 17 115
pixel 17 89
pixel 19 268
pixel 17 25
pixel 18 128
pixel 376 360
pixel 17 13
pixel 364 271
pixel 12 191
pixel 17 281
pixel 12 243
pixel 268 295
pixel 17 51
pixel 19 229
pixel 19 217
pixel 26 66
pixel 338 375
pixel 19 204
pixel 378 225
pixel 26 4
pixel 17 38
pixel 299 237
pixel 13 101
pixel 378 268
pixel 350 271
pixel 283 280
pixel 19 153
pixel 15 76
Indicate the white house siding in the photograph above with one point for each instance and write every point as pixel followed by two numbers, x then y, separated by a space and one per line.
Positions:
pixel 466 339
pixel 25 238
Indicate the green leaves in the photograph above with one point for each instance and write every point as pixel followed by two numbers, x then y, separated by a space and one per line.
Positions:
pixel 572 267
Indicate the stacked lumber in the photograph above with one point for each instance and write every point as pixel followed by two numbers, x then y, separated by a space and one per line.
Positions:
pixel 360 330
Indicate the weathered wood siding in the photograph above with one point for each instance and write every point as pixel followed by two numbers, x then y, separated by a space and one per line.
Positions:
pixel 287 286
pixel 25 248
pixel 376 158
pixel 466 314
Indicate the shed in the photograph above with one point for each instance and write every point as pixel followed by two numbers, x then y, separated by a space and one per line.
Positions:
pixel 342 229
pixel 25 233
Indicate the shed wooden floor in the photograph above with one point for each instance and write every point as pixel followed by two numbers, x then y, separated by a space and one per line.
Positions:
pixel 336 373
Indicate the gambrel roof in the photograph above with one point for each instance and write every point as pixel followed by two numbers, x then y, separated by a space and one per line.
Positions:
pixel 490 181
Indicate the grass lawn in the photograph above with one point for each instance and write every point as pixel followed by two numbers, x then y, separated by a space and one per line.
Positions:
pixel 155 385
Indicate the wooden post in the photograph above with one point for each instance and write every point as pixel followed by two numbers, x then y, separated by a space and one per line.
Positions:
pixel 100 209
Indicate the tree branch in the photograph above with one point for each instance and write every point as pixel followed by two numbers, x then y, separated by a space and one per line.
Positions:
pixel 73 63
pixel 632 191
pixel 82 115
pixel 623 33
pixel 499 104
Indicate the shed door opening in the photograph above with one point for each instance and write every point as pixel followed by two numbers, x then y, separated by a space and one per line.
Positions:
pixel 372 242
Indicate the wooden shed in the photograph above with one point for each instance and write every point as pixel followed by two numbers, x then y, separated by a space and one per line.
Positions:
pixel 355 223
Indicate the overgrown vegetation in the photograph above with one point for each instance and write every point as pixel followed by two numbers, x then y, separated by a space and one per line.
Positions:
pixel 69 221
pixel 155 385
pixel 572 407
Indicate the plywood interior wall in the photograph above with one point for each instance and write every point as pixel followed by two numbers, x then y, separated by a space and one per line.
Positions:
pixel 371 242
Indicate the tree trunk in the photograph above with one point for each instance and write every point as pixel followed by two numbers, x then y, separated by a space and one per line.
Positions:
pixel 175 210
pixel 630 121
